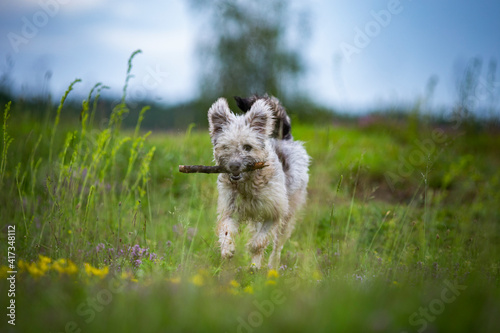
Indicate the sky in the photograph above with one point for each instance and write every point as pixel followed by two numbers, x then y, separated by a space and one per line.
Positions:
pixel 360 55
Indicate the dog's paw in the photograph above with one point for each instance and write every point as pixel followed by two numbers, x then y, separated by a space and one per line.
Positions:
pixel 227 250
pixel 274 260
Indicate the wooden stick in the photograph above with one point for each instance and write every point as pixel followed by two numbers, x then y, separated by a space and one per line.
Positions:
pixel 216 168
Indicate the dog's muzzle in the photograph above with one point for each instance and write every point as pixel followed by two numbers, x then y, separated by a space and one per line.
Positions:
pixel 235 169
pixel 235 177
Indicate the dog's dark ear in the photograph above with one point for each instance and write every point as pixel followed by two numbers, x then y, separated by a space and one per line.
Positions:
pixel 287 128
pixel 260 118
pixel 244 103
pixel 219 116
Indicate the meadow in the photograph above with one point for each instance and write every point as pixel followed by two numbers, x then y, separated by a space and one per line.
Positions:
pixel 400 233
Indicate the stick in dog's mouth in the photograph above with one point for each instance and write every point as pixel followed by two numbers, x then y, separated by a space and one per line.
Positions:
pixel 219 169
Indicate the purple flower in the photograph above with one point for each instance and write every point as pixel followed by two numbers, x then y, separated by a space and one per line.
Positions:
pixel 191 233
pixel 100 247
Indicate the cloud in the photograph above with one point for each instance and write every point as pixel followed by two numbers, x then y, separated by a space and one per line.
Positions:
pixel 27 7
pixel 158 43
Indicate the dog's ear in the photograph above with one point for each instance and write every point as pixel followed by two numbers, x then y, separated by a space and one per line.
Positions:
pixel 260 118
pixel 244 103
pixel 219 116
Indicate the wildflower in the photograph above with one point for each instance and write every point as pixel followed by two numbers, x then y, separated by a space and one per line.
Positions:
pixel 248 290
pixel 43 263
pixel 178 229
pixel 234 284
pixel 64 266
pixel 44 259
pixel 126 275
pixel 95 271
pixel 191 233
pixel 197 280
pixel 270 282
pixel 35 269
pixel 22 265
pixel 272 274
pixel 31 268
pixel 316 275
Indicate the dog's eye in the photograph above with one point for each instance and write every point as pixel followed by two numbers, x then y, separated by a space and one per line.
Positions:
pixel 247 147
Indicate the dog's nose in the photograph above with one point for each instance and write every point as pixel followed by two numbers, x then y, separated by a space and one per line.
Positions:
pixel 234 166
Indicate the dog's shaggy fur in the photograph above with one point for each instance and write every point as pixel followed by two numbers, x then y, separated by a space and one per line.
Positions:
pixel 267 198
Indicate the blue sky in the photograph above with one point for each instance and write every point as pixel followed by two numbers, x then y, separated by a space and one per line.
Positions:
pixel 93 39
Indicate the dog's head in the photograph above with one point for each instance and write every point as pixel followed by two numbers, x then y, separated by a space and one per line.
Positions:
pixel 240 141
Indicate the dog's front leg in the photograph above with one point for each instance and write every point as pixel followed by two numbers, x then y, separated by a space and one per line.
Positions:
pixel 259 242
pixel 226 229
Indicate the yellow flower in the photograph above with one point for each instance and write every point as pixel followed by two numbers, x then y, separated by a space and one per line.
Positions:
pixel 64 266
pixel 248 290
pixel 44 259
pixel 197 280
pixel 34 270
pixel 126 275
pixel 270 282
pixel 96 271
pixel 43 263
pixel 88 269
pixel 234 287
pixel 175 280
pixel 316 275
pixel 22 265
pixel 272 274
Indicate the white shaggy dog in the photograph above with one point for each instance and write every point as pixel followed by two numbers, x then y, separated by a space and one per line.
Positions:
pixel 267 198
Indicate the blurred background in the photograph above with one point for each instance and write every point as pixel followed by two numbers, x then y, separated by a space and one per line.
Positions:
pixel 323 59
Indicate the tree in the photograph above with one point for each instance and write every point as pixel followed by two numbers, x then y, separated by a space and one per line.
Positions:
pixel 245 48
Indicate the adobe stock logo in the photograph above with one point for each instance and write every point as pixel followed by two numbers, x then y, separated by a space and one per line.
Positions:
pixel 31 26
pixel 427 314
pixel 363 37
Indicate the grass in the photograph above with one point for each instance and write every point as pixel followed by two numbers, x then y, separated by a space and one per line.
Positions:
pixel 400 232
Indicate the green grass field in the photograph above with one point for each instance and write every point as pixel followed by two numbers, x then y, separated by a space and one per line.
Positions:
pixel 400 233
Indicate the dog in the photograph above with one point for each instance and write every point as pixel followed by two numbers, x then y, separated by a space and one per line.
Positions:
pixel 268 198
